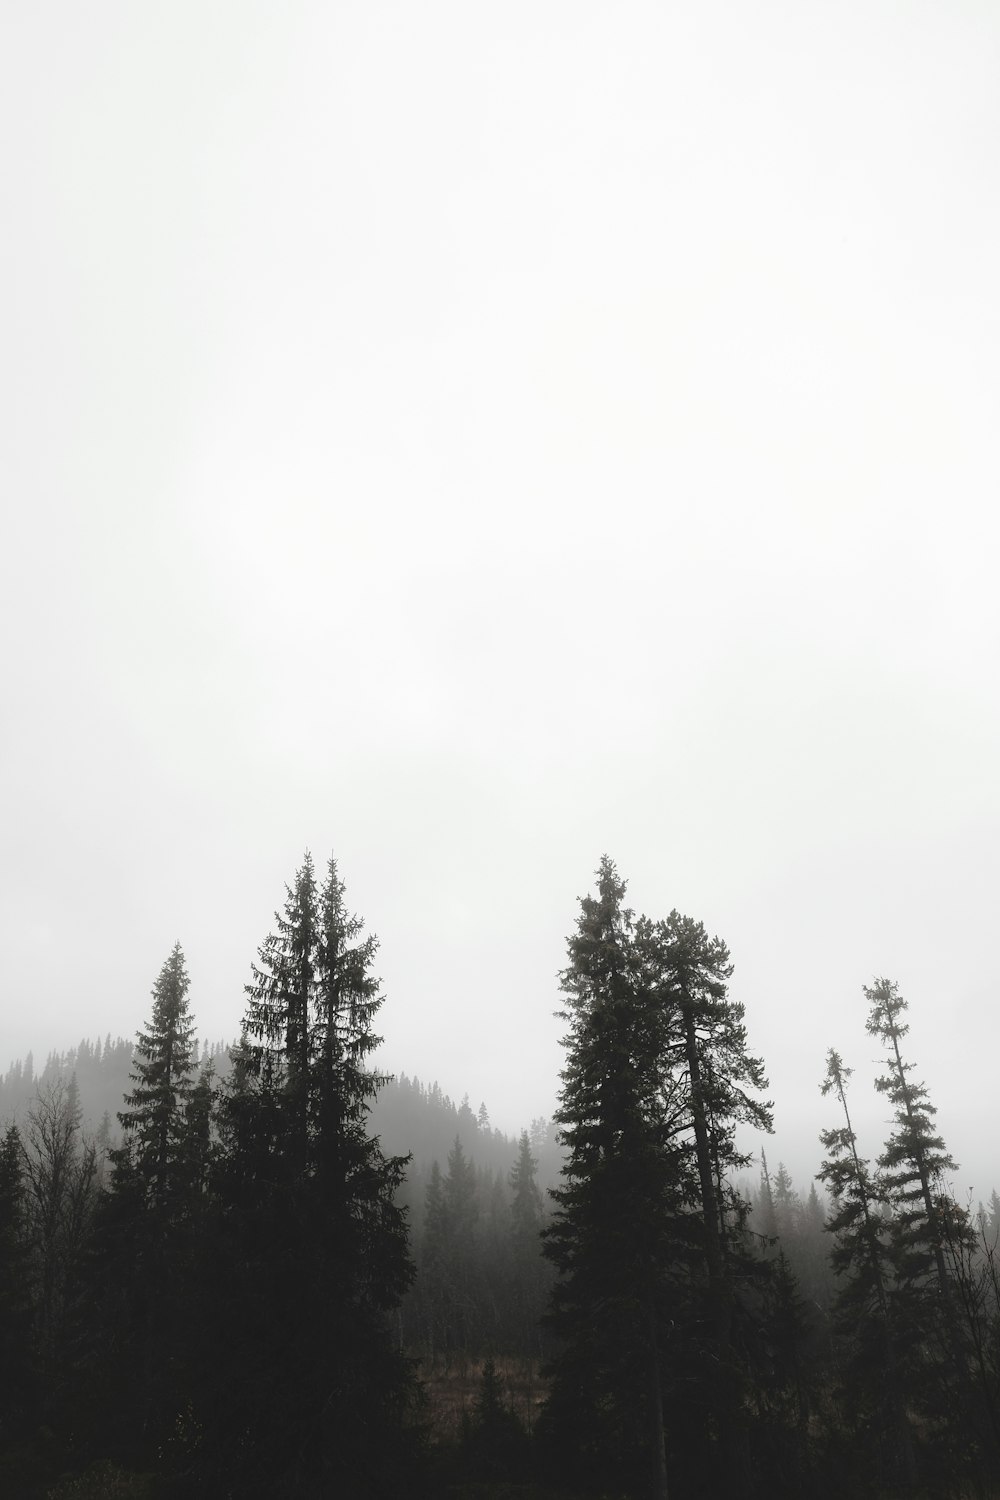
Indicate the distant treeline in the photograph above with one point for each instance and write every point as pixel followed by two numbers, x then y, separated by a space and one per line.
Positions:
pixel 410 1117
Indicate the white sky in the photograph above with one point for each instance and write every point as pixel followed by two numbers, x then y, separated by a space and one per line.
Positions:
pixel 469 438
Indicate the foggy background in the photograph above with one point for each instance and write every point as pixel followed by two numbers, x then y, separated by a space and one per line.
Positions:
pixel 472 438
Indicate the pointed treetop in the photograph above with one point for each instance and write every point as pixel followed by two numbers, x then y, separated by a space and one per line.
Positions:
pixel 887 1006
pixel 837 1076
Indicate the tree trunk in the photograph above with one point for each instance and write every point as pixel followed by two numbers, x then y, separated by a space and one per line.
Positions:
pixel 658 1475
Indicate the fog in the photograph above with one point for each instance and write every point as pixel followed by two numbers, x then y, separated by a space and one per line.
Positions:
pixel 470 439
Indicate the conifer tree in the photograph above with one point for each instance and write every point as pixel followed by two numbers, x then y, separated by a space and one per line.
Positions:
pixel 612 1231
pixel 863 1264
pixel 526 1200
pixel 707 1038
pixel 199 1114
pixel 343 1037
pixel 658 1077
pixel 493 1441
pixel 766 1219
pixel 529 1271
pixel 278 1035
pixel 453 1258
pixel 812 1265
pixel 711 1080
pixel 141 1275
pixel 786 1202
pixel 928 1230
pixel 154 1120
pixel 433 1284
pixel 914 1161
pixel 311 1243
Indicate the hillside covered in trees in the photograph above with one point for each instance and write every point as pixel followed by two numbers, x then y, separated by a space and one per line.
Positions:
pixel 265 1270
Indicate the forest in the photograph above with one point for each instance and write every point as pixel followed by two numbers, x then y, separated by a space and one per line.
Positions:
pixel 264 1269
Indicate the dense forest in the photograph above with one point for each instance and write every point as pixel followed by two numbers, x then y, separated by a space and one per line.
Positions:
pixel 263 1269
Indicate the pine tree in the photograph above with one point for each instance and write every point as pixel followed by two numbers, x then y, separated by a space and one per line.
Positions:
pixel 766 1219
pixel 812 1265
pixel 342 1038
pixel 914 1161
pixel 141 1275
pixel 311 1246
pixel 494 1442
pixel 274 1056
pixel 993 1219
pixel 658 1078
pixel 526 1201
pixel 433 1284
pixel 928 1231
pixel 154 1120
pixel 710 1080
pixel 461 1209
pixel 862 1262
pixel 786 1202
pixel 529 1272
pixel 199 1113
pixel 612 1234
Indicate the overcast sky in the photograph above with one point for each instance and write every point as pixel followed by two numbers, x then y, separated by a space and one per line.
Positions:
pixel 469 438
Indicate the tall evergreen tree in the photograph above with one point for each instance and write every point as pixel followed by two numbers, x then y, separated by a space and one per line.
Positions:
pixel 310 1244
pixel 613 1227
pixel 713 1080
pixel 529 1272
pixel 278 1031
pixel 141 1275
pixel 925 1222
pixel 526 1200
pixel 154 1120
pixel 786 1202
pixel 914 1162
pixel 862 1261
pixel 811 1255
pixel 342 1037
pixel 433 1290
pixel 461 1210
pixel 766 1218
pixel 658 1077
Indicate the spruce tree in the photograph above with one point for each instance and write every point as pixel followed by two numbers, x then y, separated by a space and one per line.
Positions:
pixel 786 1203
pixel 154 1119
pixel 277 1049
pixel 865 1310
pixel 765 1216
pixel 812 1264
pixel 310 1254
pixel 529 1272
pixel 461 1210
pixel 526 1200
pixel 658 1077
pixel 613 1229
pixel 914 1161
pixel 932 1238
pixel 710 1080
pixel 141 1276
pixel 433 1287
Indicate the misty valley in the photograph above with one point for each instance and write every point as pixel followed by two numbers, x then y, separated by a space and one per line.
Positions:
pixel 263 1269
